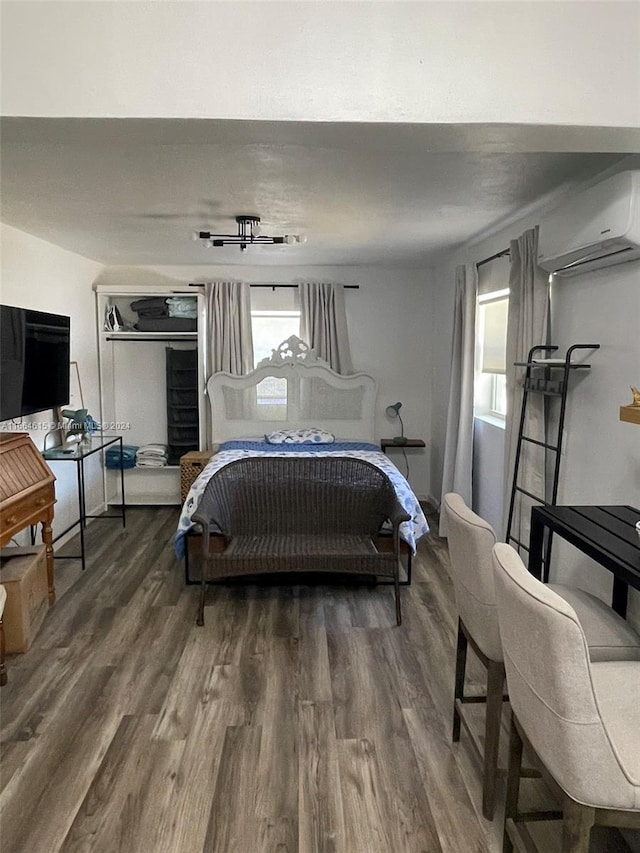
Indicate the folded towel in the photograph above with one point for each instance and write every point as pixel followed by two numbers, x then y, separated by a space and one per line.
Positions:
pixel 151 304
pixel 152 313
pixel 151 463
pixel 152 456
pixel 112 456
pixel 166 324
pixel 152 447
pixel 183 306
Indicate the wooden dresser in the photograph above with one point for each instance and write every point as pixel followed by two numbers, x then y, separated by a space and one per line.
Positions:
pixel 27 494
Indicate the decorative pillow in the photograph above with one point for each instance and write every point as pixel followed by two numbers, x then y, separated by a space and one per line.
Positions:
pixel 313 435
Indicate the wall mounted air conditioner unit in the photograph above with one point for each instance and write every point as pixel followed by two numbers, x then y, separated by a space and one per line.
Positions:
pixel 596 228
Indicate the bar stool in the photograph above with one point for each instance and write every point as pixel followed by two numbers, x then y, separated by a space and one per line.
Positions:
pixel 579 719
pixel 471 540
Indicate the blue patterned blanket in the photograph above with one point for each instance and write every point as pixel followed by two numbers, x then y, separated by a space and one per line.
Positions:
pixel 410 531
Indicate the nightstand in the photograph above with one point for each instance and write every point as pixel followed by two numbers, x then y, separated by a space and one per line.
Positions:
pixel 410 442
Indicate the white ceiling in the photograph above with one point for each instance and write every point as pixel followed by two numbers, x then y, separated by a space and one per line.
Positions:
pixel 132 191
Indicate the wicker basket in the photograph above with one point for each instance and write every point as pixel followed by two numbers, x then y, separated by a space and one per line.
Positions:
pixel 191 464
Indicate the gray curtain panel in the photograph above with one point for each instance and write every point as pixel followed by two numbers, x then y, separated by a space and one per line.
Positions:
pixel 458 451
pixel 230 342
pixel 526 327
pixel 323 323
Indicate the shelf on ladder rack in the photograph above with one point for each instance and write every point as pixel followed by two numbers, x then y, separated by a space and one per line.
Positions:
pixel 549 384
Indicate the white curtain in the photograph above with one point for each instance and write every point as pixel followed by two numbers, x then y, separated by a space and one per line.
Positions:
pixel 323 323
pixel 526 328
pixel 230 343
pixel 458 452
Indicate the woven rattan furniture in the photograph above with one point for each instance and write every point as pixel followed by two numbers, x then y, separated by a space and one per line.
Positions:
pixel 191 465
pixel 299 514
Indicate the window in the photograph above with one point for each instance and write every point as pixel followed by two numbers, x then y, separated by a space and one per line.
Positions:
pixel 270 328
pixel 274 318
pixel 490 393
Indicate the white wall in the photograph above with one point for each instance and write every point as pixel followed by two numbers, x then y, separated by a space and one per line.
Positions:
pixel 388 322
pixel 488 469
pixel 39 275
pixel 573 63
pixel 601 459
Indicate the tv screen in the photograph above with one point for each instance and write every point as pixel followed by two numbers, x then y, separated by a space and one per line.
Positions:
pixel 34 361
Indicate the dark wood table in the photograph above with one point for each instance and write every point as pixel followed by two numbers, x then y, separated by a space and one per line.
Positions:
pixel 607 534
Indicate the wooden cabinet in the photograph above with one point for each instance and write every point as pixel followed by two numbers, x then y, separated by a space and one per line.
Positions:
pixel 134 400
pixel 27 494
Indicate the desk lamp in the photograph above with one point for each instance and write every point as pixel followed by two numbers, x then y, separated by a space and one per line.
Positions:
pixel 394 412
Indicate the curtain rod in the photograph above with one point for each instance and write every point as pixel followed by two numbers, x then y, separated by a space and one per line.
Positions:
pixel 273 285
pixel 495 257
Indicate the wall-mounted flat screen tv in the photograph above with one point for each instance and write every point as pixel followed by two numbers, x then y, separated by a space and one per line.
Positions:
pixel 34 361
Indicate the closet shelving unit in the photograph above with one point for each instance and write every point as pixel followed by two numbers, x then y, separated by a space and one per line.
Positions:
pixel 134 397
pixel 182 402
pixel 549 377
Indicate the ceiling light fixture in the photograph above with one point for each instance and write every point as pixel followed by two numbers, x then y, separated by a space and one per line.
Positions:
pixel 249 234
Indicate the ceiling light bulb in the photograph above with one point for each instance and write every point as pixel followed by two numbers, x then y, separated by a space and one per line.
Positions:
pixel 195 235
pixel 301 238
pixel 256 230
pixel 289 239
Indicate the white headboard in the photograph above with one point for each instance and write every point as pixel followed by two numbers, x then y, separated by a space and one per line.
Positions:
pixel 291 390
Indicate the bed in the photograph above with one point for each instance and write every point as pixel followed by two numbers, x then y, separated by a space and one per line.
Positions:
pixel 307 411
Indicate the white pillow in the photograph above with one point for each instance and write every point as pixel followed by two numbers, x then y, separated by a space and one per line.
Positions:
pixel 313 435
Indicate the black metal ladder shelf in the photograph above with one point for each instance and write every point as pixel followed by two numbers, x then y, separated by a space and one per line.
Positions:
pixel 549 377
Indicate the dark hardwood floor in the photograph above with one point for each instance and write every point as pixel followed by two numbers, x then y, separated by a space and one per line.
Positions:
pixel 299 719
